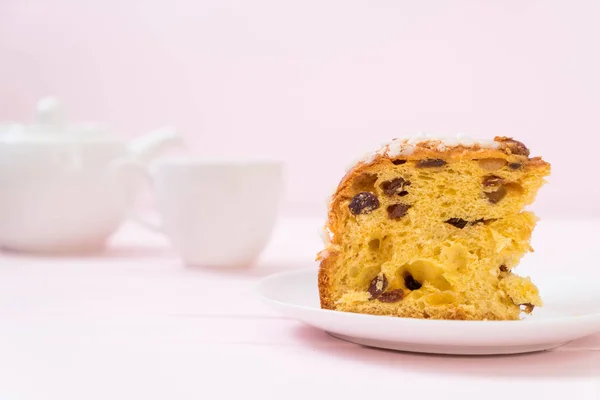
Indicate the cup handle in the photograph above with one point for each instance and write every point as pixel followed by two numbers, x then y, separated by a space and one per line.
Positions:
pixel 131 166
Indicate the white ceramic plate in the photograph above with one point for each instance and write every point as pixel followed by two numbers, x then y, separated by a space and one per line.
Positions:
pixel 571 311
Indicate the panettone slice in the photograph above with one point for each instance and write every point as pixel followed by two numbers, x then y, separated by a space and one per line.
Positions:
pixel 432 228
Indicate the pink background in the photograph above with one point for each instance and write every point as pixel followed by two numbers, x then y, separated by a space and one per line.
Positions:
pixel 318 83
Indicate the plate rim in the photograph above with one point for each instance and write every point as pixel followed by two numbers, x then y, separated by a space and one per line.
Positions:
pixel 299 271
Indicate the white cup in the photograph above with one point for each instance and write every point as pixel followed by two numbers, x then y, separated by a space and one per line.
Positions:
pixel 216 213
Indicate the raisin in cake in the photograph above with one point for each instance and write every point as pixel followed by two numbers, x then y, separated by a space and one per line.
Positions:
pixel 432 228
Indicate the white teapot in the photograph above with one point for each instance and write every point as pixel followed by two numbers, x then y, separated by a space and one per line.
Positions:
pixel 61 185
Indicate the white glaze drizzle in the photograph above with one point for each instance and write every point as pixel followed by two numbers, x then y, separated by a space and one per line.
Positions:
pixel 406 146
pixel 325 236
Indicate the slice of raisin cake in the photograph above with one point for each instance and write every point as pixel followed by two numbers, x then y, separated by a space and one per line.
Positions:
pixel 432 228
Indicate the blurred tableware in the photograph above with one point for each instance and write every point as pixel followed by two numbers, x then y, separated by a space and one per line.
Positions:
pixel 216 213
pixel 59 188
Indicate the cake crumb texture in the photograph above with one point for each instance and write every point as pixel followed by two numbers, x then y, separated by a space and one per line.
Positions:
pixel 433 233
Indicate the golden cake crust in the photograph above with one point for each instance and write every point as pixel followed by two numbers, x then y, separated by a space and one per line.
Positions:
pixel 505 148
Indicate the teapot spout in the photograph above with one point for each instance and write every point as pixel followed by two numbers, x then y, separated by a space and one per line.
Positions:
pixel 149 146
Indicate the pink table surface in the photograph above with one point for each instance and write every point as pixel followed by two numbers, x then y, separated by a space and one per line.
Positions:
pixel 134 323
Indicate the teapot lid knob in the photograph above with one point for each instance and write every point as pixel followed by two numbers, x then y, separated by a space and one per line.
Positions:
pixel 51 111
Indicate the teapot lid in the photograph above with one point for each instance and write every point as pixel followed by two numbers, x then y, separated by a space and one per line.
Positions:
pixel 51 126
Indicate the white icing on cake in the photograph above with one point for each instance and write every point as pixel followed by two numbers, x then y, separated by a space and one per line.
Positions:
pixel 406 146
pixel 325 236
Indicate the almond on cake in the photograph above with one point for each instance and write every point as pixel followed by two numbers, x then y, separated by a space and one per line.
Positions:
pixel 433 228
